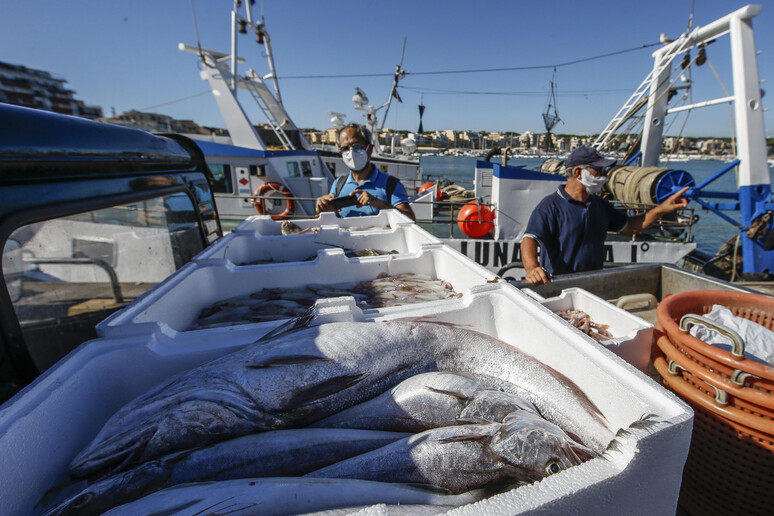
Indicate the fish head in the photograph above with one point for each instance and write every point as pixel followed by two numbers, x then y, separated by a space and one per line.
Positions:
pixel 535 447
pixel 289 228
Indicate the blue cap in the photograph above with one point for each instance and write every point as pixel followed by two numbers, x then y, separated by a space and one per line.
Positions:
pixel 590 156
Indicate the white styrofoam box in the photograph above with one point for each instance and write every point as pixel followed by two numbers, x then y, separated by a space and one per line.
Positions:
pixel 249 247
pixel 50 421
pixel 174 305
pixel 265 225
pixel 633 336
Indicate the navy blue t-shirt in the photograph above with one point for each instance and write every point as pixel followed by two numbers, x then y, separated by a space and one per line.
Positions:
pixel 571 233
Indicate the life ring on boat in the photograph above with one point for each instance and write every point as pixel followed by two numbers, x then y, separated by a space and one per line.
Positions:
pixel 475 220
pixel 280 201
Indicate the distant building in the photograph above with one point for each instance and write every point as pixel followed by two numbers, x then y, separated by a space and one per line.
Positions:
pixel 155 122
pixel 37 89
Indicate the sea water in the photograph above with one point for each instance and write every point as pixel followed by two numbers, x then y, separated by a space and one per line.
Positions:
pixel 709 233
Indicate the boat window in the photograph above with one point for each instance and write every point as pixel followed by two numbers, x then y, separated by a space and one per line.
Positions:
pixel 306 168
pixel 293 170
pixel 67 274
pixel 221 175
pixel 331 166
pixel 257 170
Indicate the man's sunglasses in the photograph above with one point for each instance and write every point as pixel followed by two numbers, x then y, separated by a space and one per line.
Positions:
pixel 357 147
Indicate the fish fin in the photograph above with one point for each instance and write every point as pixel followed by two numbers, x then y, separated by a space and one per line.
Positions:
pixel 646 421
pixel 298 323
pixel 456 394
pixel 316 392
pixel 286 360
pixel 465 437
pixel 425 487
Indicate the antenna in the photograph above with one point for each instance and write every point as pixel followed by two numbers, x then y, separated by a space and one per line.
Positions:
pixel 399 74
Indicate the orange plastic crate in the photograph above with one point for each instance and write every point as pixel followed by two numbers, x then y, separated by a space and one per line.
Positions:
pixel 746 379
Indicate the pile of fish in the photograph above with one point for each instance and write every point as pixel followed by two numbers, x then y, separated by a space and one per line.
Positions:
pixel 271 304
pixel 583 322
pixel 357 413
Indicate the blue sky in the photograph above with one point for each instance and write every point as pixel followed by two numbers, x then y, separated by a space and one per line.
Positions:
pixel 123 55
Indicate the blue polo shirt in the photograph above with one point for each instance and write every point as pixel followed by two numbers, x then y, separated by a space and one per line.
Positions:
pixel 571 233
pixel 376 185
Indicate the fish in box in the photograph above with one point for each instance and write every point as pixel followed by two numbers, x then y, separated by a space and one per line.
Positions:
pixel 628 336
pixel 46 426
pixel 176 304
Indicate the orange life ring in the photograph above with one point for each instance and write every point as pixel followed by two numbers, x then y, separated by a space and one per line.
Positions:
pixel 276 194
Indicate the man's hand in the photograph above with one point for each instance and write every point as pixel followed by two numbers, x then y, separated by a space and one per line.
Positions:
pixel 674 202
pixel 366 199
pixel 324 203
pixel 537 276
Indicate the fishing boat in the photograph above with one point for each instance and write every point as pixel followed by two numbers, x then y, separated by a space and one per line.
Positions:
pixel 274 170
pixel 507 195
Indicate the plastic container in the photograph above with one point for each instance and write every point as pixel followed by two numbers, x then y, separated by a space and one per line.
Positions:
pixel 173 306
pixel 746 379
pixel 633 336
pixel 244 248
pixel 48 423
pixel 385 219
pixel 730 466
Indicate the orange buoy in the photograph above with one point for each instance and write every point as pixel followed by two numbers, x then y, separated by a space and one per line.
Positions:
pixel 427 186
pixel 475 220
pixel 280 201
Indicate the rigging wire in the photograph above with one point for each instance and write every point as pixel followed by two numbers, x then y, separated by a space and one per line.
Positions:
pixel 205 92
pixel 196 29
pixel 480 70
pixel 511 93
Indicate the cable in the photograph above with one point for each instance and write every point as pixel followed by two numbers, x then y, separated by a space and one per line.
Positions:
pixel 480 70
pixel 176 100
pixel 510 93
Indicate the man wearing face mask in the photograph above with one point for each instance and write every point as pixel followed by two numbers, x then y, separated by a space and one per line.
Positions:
pixel 571 224
pixel 374 189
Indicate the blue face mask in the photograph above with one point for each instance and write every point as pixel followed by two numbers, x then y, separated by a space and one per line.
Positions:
pixel 592 183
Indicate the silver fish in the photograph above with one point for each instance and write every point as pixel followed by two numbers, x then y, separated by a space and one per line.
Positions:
pixel 280 497
pixel 304 375
pixel 291 228
pixel 429 400
pixel 524 448
pixel 282 453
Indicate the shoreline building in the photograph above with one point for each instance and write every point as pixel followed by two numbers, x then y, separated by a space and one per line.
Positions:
pixel 39 89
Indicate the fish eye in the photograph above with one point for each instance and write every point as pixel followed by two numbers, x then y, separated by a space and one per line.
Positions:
pixel 82 500
pixel 552 468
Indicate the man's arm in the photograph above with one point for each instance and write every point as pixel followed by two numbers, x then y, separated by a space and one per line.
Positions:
pixel 405 208
pixel 536 275
pixel 641 222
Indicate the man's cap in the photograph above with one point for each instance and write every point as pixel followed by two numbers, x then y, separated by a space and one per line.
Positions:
pixel 590 156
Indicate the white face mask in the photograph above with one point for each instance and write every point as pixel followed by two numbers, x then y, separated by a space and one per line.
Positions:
pixel 592 183
pixel 355 160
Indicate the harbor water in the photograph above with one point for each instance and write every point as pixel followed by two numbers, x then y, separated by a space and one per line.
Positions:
pixel 709 233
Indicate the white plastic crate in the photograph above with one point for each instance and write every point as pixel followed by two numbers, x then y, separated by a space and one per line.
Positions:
pixel 246 247
pixel 385 219
pixel 632 336
pixel 48 423
pixel 174 305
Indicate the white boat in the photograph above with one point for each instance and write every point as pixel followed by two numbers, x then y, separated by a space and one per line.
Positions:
pixel 274 171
